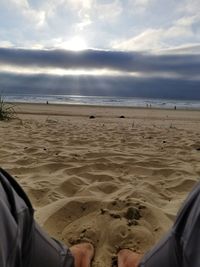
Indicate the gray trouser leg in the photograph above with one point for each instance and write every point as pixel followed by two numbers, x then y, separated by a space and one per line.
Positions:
pixel 49 252
pixel 22 242
pixel 181 246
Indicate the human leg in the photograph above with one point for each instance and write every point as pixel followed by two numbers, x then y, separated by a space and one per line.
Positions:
pixel 23 242
pixel 181 246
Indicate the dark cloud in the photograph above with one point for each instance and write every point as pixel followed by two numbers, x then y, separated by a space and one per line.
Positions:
pixel 188 65
pixel 100 85
pixel 183 87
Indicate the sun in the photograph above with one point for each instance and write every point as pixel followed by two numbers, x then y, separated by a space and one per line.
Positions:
pixel 77 43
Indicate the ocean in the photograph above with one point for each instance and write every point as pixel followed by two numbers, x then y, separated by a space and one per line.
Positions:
pixel 104 101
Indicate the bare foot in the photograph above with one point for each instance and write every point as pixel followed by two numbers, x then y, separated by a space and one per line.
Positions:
pixel 83 254
pixel 128 258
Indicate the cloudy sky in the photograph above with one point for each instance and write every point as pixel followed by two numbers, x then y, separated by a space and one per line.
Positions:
pixel 101 47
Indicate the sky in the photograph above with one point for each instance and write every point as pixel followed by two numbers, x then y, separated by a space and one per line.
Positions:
pixel 145 48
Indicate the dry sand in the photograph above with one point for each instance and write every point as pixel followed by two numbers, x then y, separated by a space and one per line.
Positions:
pixel 117 182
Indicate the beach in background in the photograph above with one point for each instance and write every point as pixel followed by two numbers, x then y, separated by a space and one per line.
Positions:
pixel 115 176
pixel 113 101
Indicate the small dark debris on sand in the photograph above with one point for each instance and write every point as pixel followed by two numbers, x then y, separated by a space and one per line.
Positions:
pixel 122 117
pixel 114 261
pixel 198 148
pixel 114 203
pixel 132 222
pixel 141 207
pixel 102 211
pixel 132 214
pixel 83 207
pixel 82 235
pixel 92 117
pixel 115 215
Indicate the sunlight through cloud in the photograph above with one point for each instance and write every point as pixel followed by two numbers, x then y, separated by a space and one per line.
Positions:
pixel 77 43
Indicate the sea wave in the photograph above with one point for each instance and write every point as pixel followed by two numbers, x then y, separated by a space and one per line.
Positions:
pixel 105 101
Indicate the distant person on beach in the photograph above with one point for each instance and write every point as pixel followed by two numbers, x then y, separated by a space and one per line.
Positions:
pixel 24 244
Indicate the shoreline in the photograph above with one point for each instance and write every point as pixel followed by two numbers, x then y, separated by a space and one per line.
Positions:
pixel 100 106
pixel 105 111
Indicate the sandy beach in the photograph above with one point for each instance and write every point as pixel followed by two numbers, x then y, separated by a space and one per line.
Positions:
pixel 116 179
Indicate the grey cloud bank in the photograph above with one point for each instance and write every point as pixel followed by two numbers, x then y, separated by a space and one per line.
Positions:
pixel 101 86
pixel 185 64
pixel 182 81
